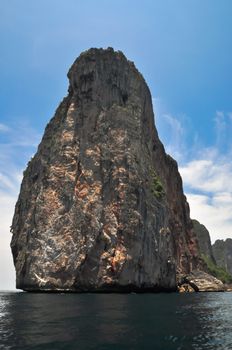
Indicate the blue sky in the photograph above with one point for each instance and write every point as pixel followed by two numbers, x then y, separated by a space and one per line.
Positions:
pixel 183 49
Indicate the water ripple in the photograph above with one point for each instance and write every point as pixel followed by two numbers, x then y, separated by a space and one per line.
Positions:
pixel 116 321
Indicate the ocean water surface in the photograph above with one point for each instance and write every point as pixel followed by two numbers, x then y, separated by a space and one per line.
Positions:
pixel 115 321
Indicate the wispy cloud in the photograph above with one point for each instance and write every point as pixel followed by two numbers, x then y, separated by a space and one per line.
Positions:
pixel 174 130
pixel 220 127
pixel 4 128
pixel 223 129
pixel 170 129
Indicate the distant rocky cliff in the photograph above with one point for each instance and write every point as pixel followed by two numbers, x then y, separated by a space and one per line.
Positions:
pixel 217 258
pixel 222 251
pixel 101 205
pixel 204 240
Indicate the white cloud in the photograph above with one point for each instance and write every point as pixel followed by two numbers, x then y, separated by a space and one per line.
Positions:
pixel 7 273
pixel 14 154
pixel 206 171
pixel 214 213
pixel 209 191
pixel 208 175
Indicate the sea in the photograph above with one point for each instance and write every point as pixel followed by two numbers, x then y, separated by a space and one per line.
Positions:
pixel 115 321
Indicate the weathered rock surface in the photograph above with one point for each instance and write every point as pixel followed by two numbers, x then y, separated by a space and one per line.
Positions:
pixel 201 281
pixel 185 288
pixel 204 240
pixel 101 205
pixel 222 251
pixel 228 287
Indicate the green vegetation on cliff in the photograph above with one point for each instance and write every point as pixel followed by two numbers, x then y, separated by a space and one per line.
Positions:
pixel 157 186
pixel 217 271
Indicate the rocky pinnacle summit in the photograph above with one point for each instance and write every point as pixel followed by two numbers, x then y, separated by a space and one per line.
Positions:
pixel 101 205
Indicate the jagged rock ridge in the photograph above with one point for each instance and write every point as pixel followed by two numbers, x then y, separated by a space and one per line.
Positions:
pixel 101 205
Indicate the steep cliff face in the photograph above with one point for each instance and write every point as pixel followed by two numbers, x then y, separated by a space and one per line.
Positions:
pixel 101 205
pixel 214 257
pixel 204 240
pixel 222 251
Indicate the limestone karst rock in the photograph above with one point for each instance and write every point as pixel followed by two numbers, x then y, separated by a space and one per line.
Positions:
pixel 222 251
pixel 201 281
pixel 101 205
pixel 216 258
pixel 204 240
